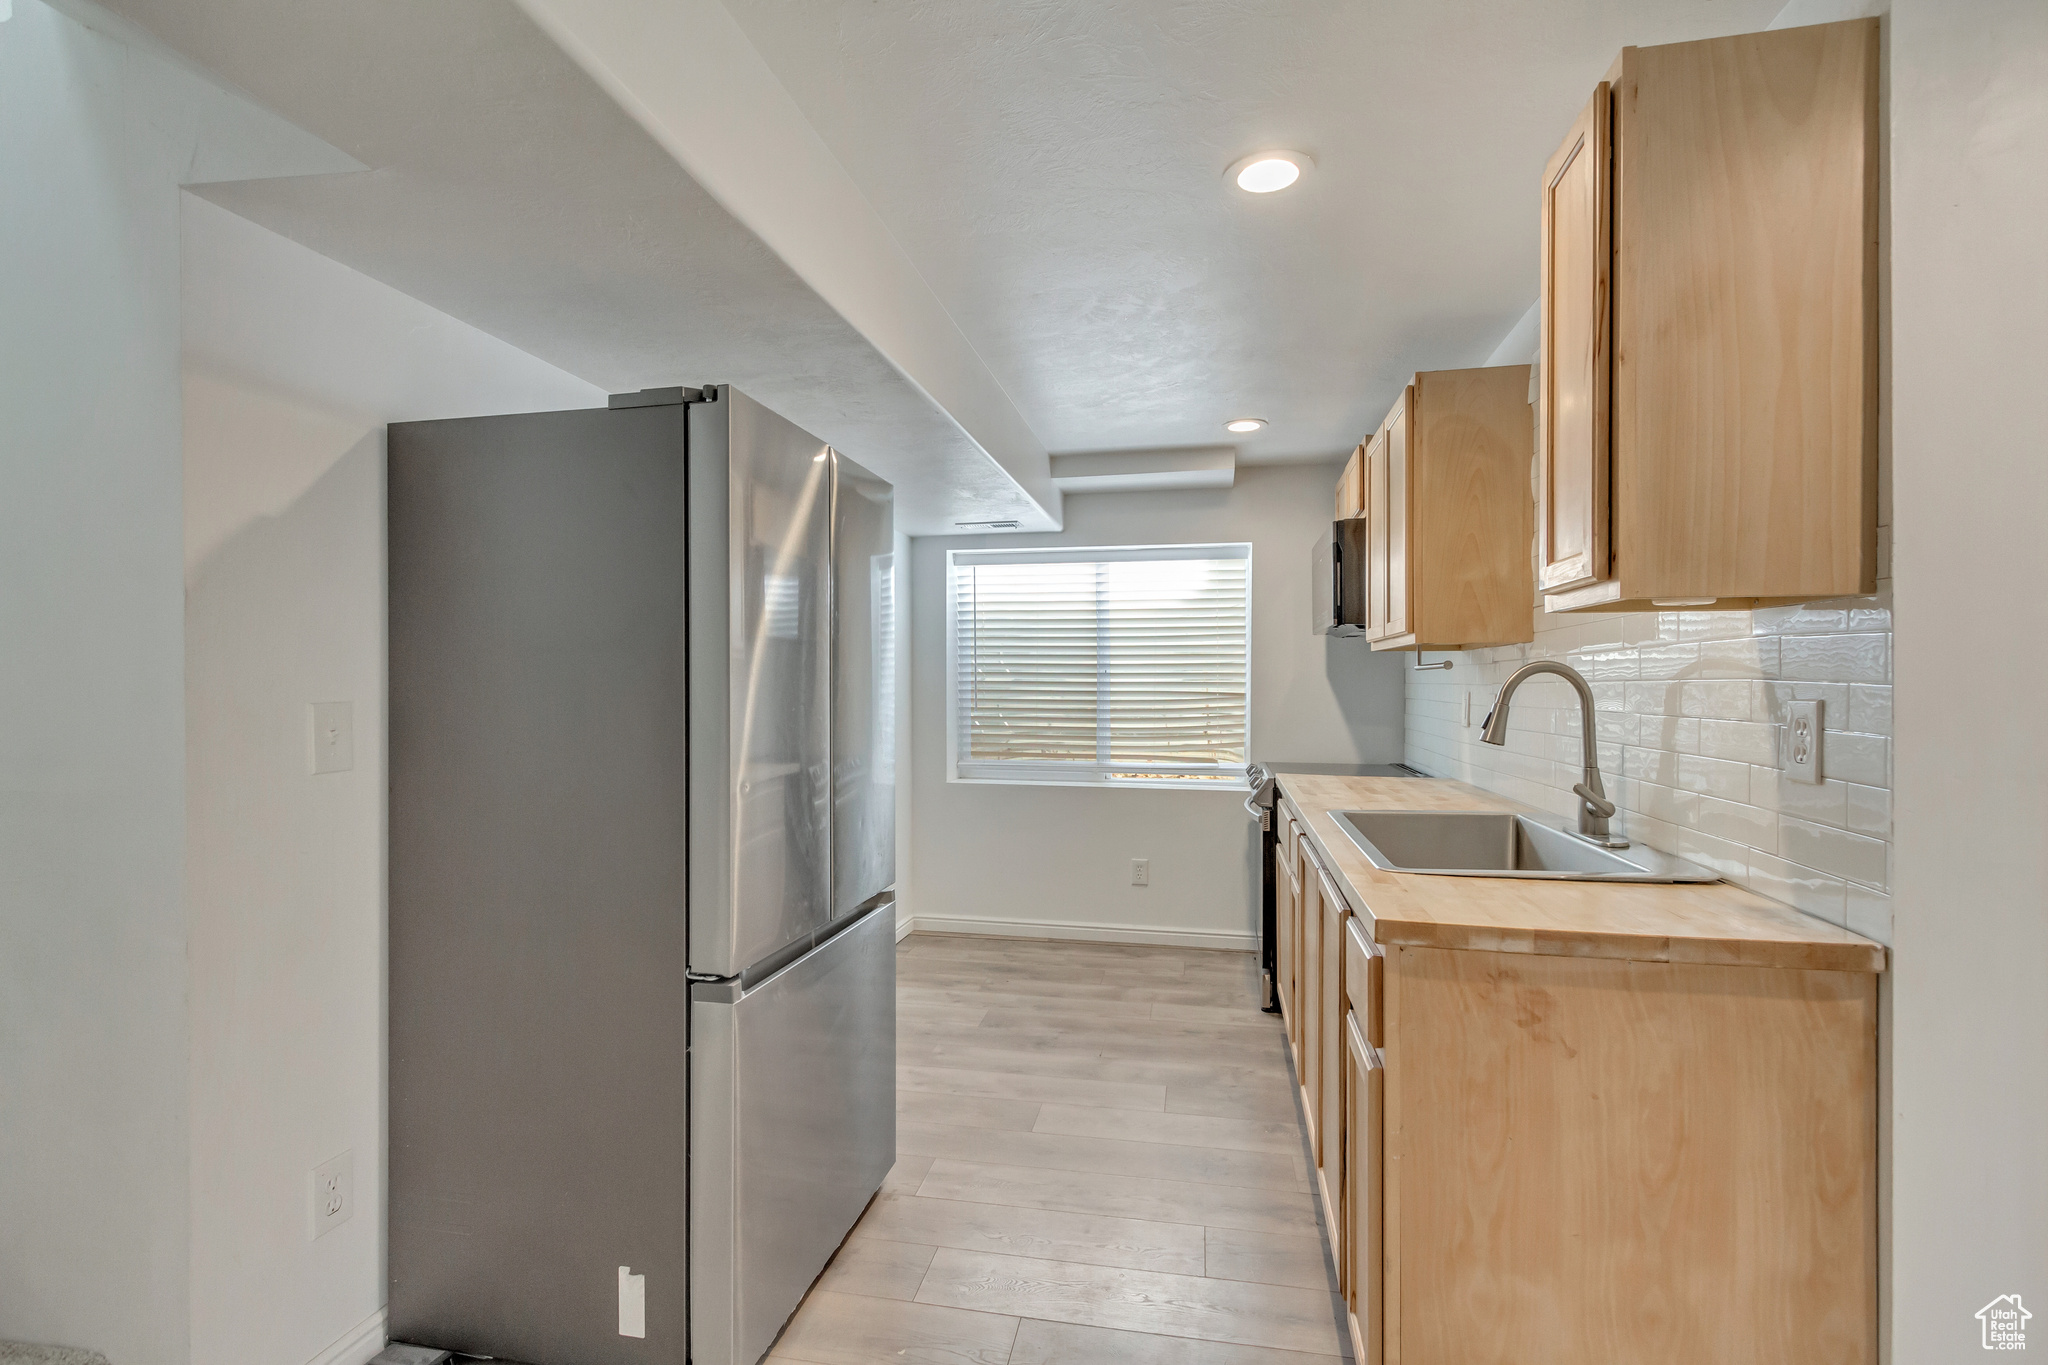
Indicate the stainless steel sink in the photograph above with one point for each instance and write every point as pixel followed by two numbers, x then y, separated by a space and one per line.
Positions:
pixel 1484 843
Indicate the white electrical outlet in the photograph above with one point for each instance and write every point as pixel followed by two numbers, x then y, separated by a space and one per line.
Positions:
pixel 1801 741
pixel 333 1195
pixel 334 736
pixel 1468 708
pixel 1141 872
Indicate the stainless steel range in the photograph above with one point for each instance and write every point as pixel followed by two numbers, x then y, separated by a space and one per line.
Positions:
pixel 1264 797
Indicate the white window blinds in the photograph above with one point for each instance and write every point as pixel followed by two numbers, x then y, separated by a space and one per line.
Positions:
pixel 1101 665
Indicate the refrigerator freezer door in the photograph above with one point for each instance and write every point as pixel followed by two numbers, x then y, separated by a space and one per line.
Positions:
pixel 863 687
pixel 760 651
pixel 793 1128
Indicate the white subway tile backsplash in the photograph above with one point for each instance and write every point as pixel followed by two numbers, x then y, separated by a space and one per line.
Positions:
pixel 1856 758
pixel 1804 888
pixel 1689 705
pixel 1650 765
pixel 1725 699
pixel 1826 802
pixel 1679 734
pixel 1870 709
pixel 1731 860
pixel 1746 741
pixel 1668 661
pixel 1870 913
pixel 1852 857
pixel 1754 656
pixel 1870 810
pixel 1836 658
pixel 1736 822
pixel 1713 777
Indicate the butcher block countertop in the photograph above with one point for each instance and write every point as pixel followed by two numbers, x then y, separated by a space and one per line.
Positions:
pixel 1716 923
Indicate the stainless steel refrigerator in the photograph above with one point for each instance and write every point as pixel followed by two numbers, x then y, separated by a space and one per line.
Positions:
pixel 642 931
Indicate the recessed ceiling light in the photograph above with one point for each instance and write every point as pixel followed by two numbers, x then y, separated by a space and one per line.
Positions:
pixel 1265 172
pixel 1244 424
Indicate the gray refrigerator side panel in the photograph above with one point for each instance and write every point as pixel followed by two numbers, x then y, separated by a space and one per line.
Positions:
pixel 794 1123
pixel 539 1016
pixel 776 788
pixel 864 682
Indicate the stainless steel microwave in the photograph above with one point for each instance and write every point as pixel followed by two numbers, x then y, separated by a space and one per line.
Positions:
pixel 1339 576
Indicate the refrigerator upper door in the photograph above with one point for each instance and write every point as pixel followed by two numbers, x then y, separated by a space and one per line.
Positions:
pixel 760 651
pixel 863 687
pixel 793 1128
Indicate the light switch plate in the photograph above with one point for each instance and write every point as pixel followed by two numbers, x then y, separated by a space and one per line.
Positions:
pixel 333 736
pixel 1800 755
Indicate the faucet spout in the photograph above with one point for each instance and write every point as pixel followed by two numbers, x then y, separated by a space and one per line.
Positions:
pixel 1594 808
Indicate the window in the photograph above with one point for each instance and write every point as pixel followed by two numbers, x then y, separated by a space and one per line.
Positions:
pixel 1101 665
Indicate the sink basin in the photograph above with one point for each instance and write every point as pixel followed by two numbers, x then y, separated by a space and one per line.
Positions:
pixel 1485 843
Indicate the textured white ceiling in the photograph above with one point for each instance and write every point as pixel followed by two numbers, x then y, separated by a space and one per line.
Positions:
pixel 1050 172
pixel 508 190
pixel 1055 169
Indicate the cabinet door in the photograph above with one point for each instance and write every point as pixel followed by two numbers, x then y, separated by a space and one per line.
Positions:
pixel 1573 457
pixel 1399 576
pixel 1295 1026
pixel 1310 1060
pixel 1351 486
pixel 1283 933
pixel 1330 1006
pixel 1377 537
pixel 1364 1191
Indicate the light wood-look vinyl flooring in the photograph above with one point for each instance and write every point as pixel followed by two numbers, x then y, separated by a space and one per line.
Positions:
pixel 1100 1161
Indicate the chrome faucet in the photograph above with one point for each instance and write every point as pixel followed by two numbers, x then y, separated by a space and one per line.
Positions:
pixel 1594 807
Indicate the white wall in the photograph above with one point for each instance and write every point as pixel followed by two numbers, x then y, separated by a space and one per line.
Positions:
pixel 293 366
pixel 1969 1104
pixel 98 128
pixel 1026 858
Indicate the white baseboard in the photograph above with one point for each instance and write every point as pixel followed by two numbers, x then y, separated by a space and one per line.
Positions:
pixel 1221 940
pixel 904 926
pixel 356 1345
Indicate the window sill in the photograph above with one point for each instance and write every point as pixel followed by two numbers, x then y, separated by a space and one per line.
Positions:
pixel 1229 784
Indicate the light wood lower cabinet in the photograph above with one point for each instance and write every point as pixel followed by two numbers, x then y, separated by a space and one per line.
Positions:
pixel 1577 1160
pixel 1284 932
pixel 1365 1098
pixel 1314 1027
pixel 1330 1094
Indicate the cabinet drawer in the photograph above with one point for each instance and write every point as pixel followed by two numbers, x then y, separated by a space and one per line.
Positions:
pixel 1363 965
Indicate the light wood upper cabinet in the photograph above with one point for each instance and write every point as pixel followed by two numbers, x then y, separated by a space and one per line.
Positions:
pixel 1450 511
pixel 1718 403
pixel 1395 510
pixel 1572 406
pixel 1351 494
